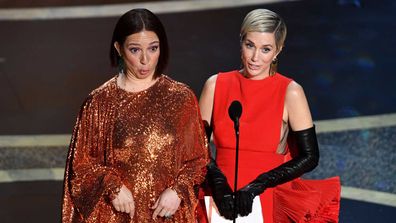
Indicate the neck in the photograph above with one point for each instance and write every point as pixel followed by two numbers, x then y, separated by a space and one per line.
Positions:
pixel 253 77
pixel 134 84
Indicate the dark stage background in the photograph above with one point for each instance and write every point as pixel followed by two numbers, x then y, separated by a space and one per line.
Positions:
pixel 340 51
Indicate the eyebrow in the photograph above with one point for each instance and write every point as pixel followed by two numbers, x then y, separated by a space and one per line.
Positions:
pixel 137 44
pixel 266 45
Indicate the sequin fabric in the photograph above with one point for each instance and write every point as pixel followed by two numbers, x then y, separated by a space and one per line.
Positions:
pixel 148 141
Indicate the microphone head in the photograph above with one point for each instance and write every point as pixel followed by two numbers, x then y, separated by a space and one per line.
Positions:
pixel 235 110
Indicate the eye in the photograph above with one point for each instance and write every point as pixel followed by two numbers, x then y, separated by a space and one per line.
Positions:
pixel 249 45
pixel 134 50
pixel 265 50
pixel 154 48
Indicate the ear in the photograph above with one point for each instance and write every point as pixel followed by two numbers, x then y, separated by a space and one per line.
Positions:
pixel 118 48
pixel 277 53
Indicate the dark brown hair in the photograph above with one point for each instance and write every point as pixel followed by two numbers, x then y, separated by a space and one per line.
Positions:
pixel 135 21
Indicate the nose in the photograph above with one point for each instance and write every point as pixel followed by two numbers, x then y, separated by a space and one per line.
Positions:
pixel 144 58
pixel 255 55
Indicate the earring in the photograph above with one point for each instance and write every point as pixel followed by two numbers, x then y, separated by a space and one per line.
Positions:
pixel 273 67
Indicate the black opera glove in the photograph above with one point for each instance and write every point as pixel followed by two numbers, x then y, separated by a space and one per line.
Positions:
pixel 244 199
pixel 217 181
pixel 221 191
pixel 306 160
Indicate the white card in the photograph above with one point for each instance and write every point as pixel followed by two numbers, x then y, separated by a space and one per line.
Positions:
pixel 213 215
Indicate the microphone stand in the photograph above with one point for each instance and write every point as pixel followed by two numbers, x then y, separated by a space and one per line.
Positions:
pixel 236 127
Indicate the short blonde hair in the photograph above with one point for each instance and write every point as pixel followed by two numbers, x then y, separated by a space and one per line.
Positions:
pixel 264 20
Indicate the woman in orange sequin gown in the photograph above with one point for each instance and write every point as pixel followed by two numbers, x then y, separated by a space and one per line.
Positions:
pixel 270 159
pixel 138 149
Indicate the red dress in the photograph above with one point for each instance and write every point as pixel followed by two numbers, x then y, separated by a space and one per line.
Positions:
pixel 260 136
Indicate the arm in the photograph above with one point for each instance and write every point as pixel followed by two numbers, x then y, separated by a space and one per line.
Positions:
pixel 221 191
pixel 191 152
pixel 206 101
pixel 87 178
pixel 297 110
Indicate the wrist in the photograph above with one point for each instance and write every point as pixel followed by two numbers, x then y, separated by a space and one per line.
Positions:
pixel 253 189
pixel 112 187
pixel 176 189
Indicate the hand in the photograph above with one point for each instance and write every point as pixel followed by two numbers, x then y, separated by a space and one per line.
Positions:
pixel 244 198
pixel 124 202
pixel 221 191
pixel 167 204
pixel 225 205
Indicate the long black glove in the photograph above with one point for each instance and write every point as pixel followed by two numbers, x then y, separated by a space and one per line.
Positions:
pixel 306 160
pixel 221 190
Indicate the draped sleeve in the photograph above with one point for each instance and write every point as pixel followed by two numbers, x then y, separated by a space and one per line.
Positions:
pixel 89 176
pixel 193 154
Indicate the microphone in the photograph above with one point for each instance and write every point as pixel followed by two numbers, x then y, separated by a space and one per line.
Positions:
pixel 235 112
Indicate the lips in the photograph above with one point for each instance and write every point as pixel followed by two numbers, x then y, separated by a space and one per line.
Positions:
pixel 253 66
pixel 144 72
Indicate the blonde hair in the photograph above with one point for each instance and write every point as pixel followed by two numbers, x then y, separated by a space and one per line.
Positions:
pixel 264 20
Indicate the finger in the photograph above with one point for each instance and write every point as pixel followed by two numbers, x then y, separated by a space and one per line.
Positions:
pixel 117 207
pixel 223 209
pixel 116 204
pixel 131 214
pixel 249 203
pixel 242 208
pixel 163 212
pixel 229 215
pixel 156 204
pixel 122 208
pixel 126 208
pixel 227 211
pixel 157 211
pixel 246 204
pixel 230 205
pixel 132 207
pixel 241 205
pixel 250 206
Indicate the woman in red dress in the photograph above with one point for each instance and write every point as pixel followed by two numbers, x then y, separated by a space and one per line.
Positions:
pixel 271 159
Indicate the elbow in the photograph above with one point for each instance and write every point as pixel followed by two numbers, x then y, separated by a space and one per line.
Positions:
pixel 309 148
pixel 313 162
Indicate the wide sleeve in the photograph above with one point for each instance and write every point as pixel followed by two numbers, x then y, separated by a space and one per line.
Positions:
pixel 193 154
pixel 88 177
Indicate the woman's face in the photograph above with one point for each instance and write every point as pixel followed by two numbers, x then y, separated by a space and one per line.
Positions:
pixel 140 52
pixel 258 52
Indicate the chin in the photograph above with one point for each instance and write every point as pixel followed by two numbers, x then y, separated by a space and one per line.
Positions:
pixel 255 73
pixel 146 75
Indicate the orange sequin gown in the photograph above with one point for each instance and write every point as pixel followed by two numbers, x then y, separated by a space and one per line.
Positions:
pixel 148 141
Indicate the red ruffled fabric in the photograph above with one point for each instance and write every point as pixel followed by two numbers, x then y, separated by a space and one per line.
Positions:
pixel 313 201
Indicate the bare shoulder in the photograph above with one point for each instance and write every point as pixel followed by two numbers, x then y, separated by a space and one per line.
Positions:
pixel 207 98
pixel 297 107
pixel 211 82
pixel 294 91
pixel 209 87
